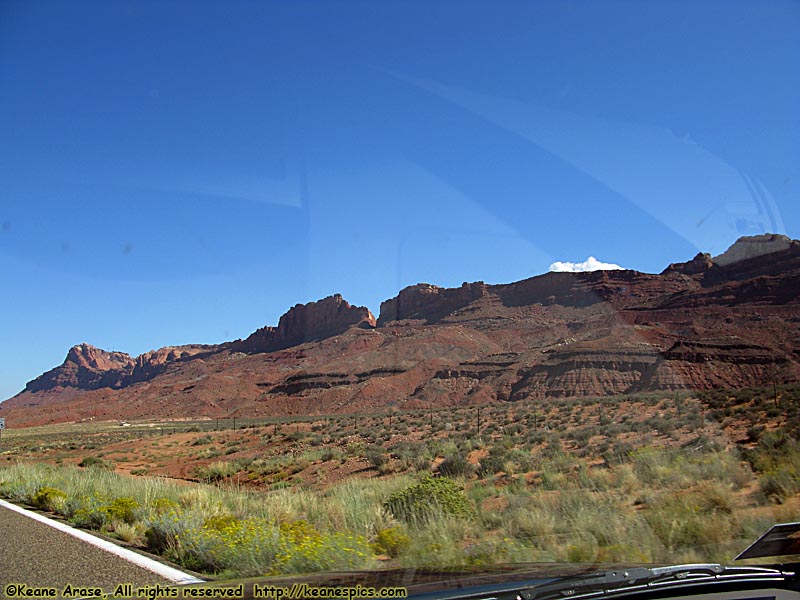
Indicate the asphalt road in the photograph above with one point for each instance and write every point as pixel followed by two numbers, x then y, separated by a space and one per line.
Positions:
pixel 39 556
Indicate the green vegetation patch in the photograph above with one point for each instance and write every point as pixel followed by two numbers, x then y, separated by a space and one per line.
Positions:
pixel 48 498
pixel 429 498
pixel 97 463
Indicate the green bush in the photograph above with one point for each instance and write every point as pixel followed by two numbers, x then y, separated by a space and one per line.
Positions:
pixel 494 462
pixel 251 547
pixel 162 505
pixel 455 464
pixel 780 483
pixel 123 509
pixel 165 528
pixel 376 456
pixel 97 463
pixel 391 541
pixel 245 547
pixel 322 552
pixel 427 499
pixel 48 498
pixel 776 457
pixel 220 522
pixel 88 512
pixel 701 517
pixel 216 471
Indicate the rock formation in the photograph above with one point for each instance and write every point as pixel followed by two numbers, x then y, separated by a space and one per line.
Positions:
pixel 428 302
pixel 87 368
pixel 308 322
pixel 753 246
pixel 732 321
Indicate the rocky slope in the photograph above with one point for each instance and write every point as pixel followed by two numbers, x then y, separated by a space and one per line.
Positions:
pixel 90 368
pixel 730 321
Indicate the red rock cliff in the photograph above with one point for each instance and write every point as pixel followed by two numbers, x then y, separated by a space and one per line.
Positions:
pixel 308 322
pixel 85 367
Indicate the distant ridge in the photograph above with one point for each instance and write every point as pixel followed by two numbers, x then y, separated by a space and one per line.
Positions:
pixel 728 321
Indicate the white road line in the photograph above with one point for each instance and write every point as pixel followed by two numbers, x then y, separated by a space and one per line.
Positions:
pixel 167 572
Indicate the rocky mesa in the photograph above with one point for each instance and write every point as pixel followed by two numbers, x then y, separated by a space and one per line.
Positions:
pixel 729 321
pixel 90 368
pixel 306 323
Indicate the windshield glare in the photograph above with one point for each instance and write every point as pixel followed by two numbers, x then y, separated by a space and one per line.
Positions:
pixel 315 287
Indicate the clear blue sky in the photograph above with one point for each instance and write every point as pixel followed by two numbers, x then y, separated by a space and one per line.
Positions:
pixel 178 172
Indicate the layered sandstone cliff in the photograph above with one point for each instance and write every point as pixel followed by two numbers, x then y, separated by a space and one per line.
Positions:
pixel 700 324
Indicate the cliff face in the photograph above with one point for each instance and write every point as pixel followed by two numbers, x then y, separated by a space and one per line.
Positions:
pixel 697 325
pixel 90 368
pixel 308 322
pixel 148 365
pixel 429 303
pixel 85 367
pixel 754 246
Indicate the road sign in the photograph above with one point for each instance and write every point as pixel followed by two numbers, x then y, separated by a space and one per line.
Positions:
pixel 2 423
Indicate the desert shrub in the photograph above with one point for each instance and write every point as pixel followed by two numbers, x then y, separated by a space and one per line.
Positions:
pixel 244 547
pixel 331 552
pixel 407 451
pixel 755 431
pixel 690 519
pixel 391 541
pixel 780 483
pixel 162 505
pixel 19 491
pixel 48 498
pixel 330 454
pixel 220 522
pixel 455 464
pixel 421 464
pixel 428 498
pixel 530 524
pixel 438 542
pixel 216 471
pixel 248 547
pixel 123 509
pixel 584 550
pixel 375 455
pixel 773 449
pixel 97 463
pixel 776 458
pixel 355 449
pixel 131 533
pixel 164 528
pixel 87 511
pixel 494 462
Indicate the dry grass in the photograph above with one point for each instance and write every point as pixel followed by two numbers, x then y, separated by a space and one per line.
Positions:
pixel 643 479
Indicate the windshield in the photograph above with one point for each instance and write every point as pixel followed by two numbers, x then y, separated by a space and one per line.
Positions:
pixel 296 287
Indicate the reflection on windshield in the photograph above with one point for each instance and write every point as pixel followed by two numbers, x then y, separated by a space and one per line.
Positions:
pixel 409 288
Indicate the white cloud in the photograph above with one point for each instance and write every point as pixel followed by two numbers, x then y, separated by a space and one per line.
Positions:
pixel 590 264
